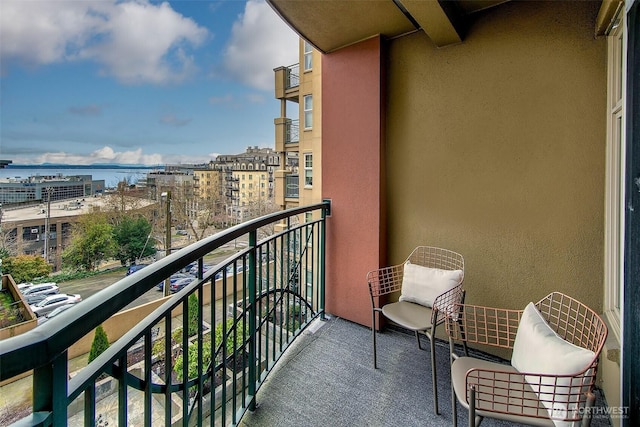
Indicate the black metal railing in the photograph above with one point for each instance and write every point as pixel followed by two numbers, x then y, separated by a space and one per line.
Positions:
pixel 200 357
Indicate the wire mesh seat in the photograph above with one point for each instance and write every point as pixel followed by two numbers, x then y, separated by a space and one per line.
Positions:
pixel 419 318
pixel 543 398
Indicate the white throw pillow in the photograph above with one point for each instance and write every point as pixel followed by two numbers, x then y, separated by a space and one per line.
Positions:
pixel 539 349
pixel 423 285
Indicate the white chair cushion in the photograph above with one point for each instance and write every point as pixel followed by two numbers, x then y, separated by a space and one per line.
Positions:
pixel 539 349
pixel 422 285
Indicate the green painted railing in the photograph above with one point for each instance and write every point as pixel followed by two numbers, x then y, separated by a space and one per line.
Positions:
pixel 239 317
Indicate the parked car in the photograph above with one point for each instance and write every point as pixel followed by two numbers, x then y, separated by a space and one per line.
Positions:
pixel 135 267
pixel 174 278
pixel 33 299
pixel 187 268
pixel 42 288
pixel 24 286
pixel 194 269
pixel 54 313
pixel 179 284
pixel 52 302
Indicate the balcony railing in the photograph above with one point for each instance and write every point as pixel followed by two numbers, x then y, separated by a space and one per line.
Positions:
pixel 239 316
pixel 292 186
pixel 292 132
pixel 292 76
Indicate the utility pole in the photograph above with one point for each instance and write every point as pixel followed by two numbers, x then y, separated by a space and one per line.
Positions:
pixel 167 197
pixel 46 225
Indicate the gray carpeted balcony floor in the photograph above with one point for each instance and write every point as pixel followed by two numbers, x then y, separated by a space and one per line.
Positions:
pixel 326 378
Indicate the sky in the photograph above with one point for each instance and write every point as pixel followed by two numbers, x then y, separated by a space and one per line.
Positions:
pixel 138 81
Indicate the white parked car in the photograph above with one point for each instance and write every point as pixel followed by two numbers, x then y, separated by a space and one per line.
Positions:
pixel 41 288
pixel 52 302
pixel 24 286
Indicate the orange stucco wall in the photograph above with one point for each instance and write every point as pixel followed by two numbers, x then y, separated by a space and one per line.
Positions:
pixel 353 140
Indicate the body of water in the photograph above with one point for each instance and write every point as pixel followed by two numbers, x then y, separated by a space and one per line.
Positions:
pixel 111 176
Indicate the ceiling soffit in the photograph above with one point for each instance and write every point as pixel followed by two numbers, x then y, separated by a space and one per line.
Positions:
pixel 333 24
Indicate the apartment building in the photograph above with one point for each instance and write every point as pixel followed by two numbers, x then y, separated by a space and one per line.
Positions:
pixel 299 129
pixel 247 181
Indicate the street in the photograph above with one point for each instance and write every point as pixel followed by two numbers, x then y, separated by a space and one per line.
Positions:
pixel 91 285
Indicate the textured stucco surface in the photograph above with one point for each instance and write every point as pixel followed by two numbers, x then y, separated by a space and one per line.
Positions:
pixel 496 149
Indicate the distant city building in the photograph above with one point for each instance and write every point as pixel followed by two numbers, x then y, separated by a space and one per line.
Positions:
pixel 247 181
pixel 45 188
pixel 45 229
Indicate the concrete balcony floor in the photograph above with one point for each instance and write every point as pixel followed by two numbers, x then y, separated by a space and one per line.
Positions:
pixel 326 378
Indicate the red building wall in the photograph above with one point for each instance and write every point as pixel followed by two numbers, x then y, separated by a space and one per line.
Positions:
pixel 352 174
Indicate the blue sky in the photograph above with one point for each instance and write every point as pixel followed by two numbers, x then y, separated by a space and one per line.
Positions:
pixel 138 82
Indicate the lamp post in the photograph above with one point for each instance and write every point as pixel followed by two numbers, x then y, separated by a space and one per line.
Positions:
pixel 166 196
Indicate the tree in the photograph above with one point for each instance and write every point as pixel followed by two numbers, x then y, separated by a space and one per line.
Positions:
pixel 99 345
pixel 197 212
pixel 92 242
pixel 132 238
pixel 25 268
pixel 8 242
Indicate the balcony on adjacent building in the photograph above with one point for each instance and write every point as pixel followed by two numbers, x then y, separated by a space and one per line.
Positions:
pixel 287 133
pixel 292 187
pixel 287 82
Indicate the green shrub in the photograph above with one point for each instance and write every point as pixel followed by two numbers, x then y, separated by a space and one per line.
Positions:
pixel 99 345
pixel 193 359
pixel 25 268
pixel 194 309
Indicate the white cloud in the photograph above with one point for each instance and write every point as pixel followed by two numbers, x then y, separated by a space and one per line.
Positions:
pixel 260 41
pixel 102 155
pixel 107 155
pixel 134 41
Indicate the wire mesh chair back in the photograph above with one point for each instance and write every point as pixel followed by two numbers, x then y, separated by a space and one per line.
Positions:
pixel 574 321
pixel 389 279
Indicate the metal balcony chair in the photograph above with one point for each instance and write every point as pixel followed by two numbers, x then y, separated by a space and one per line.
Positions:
pixel 555 346
pixel 436 272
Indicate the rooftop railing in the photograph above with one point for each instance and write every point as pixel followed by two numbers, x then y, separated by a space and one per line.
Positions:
pixel 200 357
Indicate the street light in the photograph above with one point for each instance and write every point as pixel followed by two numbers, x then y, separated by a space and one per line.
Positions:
pixel 166 197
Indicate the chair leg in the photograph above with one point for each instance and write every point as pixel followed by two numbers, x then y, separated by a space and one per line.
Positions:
pixel 454 403
pixel 418 339
pixel 373 333
pixel 432 340
pixel 586 418
pixel 472 406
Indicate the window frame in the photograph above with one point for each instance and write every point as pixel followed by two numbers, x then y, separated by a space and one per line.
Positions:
pixel 308 170
pixel 307 109
pixel 615 173
pixel 307 53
